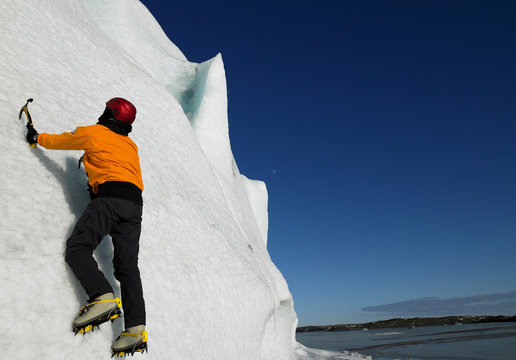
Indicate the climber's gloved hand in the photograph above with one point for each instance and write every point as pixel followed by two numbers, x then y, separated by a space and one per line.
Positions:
pixel 32 134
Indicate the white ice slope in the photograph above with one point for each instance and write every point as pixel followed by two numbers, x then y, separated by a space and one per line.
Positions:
pixel 211 289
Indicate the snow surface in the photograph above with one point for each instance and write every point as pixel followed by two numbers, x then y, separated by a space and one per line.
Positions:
pixel 211 289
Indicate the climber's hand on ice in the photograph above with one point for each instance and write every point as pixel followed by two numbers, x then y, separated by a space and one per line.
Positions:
pixel 32 134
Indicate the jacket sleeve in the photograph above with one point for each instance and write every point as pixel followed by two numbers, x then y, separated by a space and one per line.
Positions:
pixel 77 140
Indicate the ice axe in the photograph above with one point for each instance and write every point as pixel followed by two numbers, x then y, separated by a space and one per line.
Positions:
pixel 27 114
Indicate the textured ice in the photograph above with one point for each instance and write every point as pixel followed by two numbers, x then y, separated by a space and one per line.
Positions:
pixel 211 289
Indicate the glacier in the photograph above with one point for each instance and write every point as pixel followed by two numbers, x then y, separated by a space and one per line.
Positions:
pixel 211 289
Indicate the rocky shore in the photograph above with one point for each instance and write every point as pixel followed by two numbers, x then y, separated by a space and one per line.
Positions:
pixel 409 323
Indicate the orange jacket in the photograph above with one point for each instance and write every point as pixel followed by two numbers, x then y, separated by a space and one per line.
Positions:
pixel 108 156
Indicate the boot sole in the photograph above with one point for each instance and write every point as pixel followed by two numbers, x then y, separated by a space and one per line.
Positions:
pixel 102 318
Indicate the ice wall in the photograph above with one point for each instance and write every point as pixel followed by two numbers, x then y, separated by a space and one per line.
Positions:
pixel 210 286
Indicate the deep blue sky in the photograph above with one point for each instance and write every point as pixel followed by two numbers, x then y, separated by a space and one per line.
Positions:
pixel 385 132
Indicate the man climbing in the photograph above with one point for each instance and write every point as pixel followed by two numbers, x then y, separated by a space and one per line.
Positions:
pixel 115 184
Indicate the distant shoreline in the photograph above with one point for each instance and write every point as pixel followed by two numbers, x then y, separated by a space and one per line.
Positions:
pixel 409 323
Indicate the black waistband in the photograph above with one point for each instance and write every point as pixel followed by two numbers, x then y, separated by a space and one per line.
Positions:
pixel 119 189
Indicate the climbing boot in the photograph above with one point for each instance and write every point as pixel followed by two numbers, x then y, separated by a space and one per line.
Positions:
pixel 96 312
pixel 134 339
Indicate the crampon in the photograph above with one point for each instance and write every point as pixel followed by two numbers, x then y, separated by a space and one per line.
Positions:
pixel 100 319
pixel 140 346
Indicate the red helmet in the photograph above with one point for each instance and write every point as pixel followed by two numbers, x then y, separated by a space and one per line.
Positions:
pixel 122 109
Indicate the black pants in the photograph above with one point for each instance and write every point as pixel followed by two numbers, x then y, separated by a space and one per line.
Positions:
pixel 121 219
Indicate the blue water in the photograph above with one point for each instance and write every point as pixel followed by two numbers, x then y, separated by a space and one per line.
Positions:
pixel 491 341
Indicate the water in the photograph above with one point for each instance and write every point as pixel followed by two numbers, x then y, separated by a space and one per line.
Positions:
pixel 491 341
